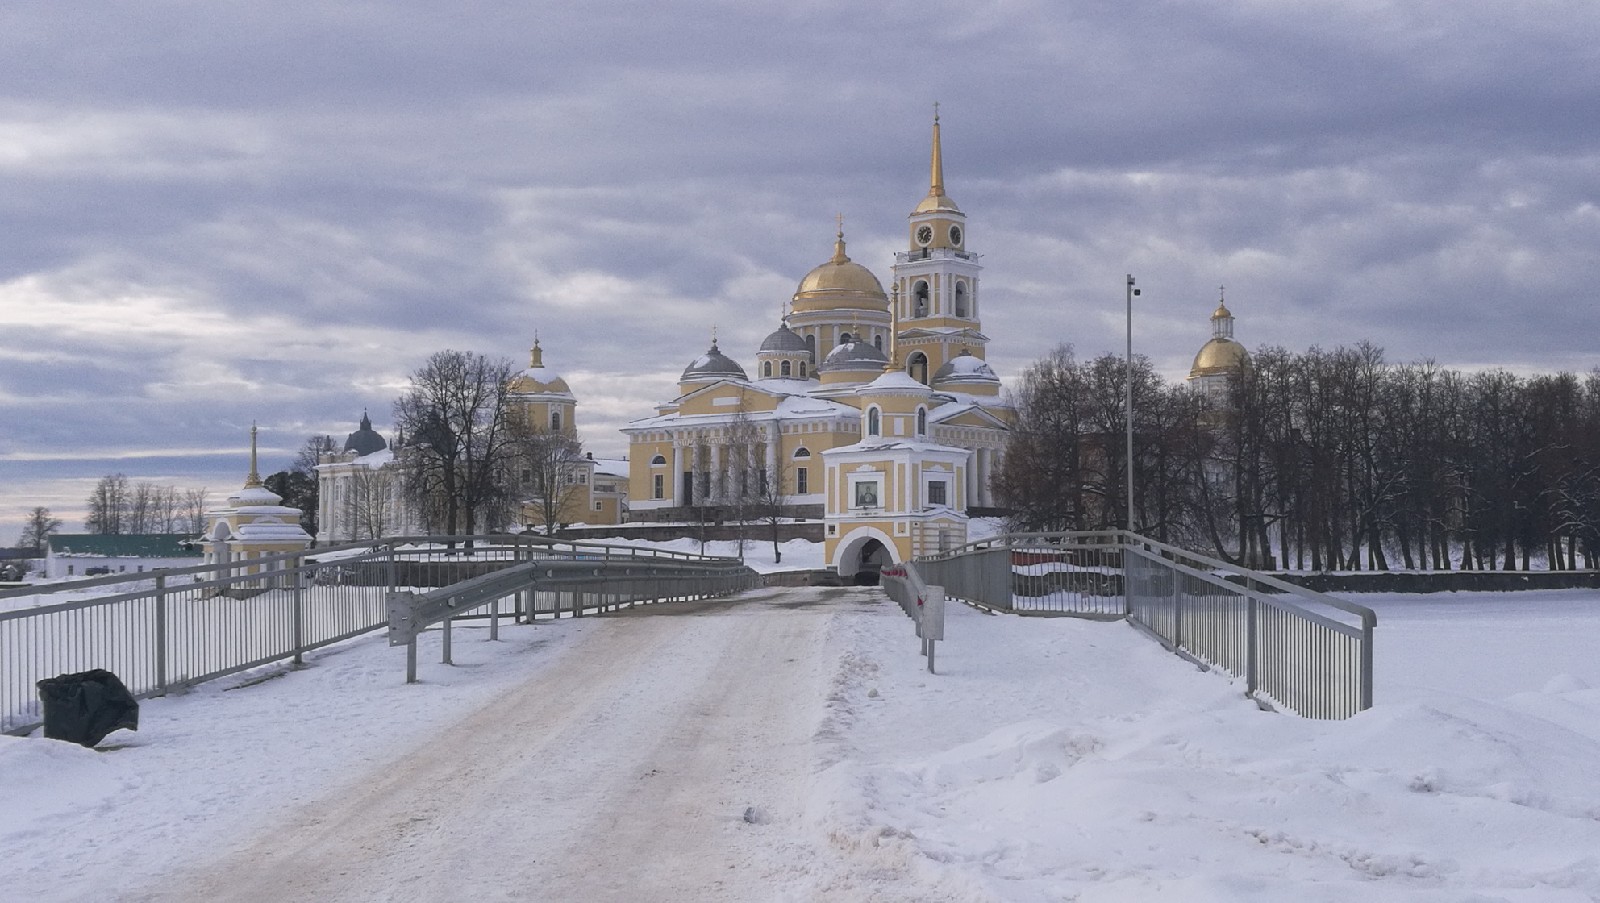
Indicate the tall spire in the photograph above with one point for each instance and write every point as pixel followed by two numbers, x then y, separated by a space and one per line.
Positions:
pixel 254 479
pixel 838 244
pixel 936 200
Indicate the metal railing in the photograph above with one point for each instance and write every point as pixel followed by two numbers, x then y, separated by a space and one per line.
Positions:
pixel 1301 651
pixel 171 628
pixel 586 585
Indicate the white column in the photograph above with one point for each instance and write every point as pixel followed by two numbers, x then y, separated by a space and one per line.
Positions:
pixel 675 475
pixel 971 480
pixel 986 463
pixel 774 441
pixel 714 491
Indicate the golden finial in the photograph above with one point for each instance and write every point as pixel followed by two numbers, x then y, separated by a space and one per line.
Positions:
pixel 536 354
pixel 254 479
pixel 713 335
pixel 936 176
pixel 838 245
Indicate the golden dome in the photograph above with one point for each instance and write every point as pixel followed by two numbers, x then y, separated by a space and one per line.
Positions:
pixel 1222 312
pixel 839 277
pixel 1220 356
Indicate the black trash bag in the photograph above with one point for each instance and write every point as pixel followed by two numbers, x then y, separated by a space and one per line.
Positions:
pixel 82 708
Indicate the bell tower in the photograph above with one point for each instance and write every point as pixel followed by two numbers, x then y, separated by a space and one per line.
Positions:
pixel 935 280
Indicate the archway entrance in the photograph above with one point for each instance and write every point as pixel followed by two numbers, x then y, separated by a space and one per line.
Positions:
pixel 861 556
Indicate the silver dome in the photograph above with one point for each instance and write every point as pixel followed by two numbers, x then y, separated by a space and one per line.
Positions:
pixel 784 339
pixel 854 356
pixel 712 365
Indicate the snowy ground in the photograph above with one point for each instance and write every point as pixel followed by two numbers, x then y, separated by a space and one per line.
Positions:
pixel 790 746
pixel 798 554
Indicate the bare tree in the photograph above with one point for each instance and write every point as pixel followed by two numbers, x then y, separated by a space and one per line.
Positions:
pixel 368 502
pixel 456 418
pixel 1041 476
pixel 192 510
pixel 744 473
pixel 108 505
pixel 36 530
pixel 545 466
pixel 770 497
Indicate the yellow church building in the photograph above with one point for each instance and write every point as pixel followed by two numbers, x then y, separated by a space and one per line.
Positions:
pixel 874 411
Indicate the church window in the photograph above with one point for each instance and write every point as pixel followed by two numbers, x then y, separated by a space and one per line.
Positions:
pixel 802 369
pixel 555 421
pixel 845 338
pixel 785 368
pixel 801 486
pixel 811 347
pixel 937 494
pixel 917 366
pixel 660 485
pixel 658 460
pixel 802 452
pixel 919 299
pixel 878 341
pixel 922 421
pixel 961 299
pixel 766 368
pixel 874 425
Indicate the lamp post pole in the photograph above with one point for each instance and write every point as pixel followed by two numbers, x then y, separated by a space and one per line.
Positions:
pixel 1127 389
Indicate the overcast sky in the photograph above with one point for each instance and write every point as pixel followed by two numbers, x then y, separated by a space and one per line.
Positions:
pixel 213 213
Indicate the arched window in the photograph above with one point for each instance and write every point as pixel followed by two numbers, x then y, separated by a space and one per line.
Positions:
pixel 878 341
pixel 802 369
pixel 922 421
pixel 802 452
pixel 917 366
pixel 785 368
pixel 919 299
pixel 961 299
pixel 811 348
pixel 845 338
pixel 658 461
pixel 555 421
pixel 874 424
pixel 766 368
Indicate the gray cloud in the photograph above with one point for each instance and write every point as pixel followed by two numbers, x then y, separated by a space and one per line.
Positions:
pixel 223 213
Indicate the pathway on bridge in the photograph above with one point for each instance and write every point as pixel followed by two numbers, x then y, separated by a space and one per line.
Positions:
pixel 666 761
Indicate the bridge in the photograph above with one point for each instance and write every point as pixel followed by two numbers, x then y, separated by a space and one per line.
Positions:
pixel 1298 651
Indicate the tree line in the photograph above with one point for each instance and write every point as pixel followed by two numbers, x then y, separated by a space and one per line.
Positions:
pixel 118 505
pixel 1321 460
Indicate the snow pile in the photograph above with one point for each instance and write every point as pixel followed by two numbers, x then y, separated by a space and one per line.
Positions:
pixel 1064 760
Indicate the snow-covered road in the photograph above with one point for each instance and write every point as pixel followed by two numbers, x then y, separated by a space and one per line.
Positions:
pixel 674 754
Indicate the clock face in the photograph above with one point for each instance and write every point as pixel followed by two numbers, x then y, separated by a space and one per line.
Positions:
pixel 924 234
pixel 955 236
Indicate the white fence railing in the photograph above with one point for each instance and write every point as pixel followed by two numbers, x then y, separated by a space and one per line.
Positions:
pixel 171 628
pixel 1301 651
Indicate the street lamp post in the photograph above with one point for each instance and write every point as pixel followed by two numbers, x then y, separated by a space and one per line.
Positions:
pixel 1128 401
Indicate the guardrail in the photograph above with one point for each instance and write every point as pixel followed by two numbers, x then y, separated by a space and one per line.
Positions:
pixel 176 627
pixel 587 584
pixel 922 603
pixel 1300 651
